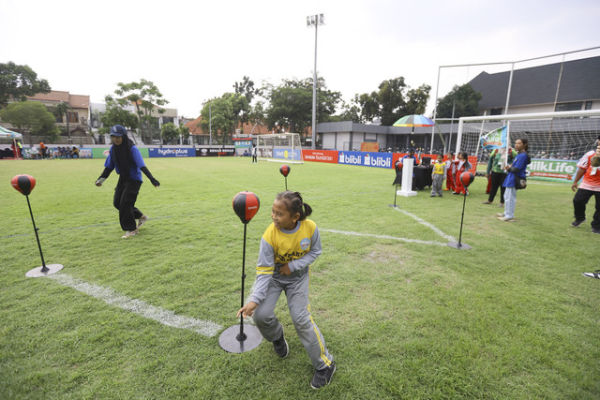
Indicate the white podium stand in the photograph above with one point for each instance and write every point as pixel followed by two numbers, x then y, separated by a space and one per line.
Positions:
pixel 407 178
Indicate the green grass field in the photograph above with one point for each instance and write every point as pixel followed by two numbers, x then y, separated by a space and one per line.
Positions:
pixel 513 318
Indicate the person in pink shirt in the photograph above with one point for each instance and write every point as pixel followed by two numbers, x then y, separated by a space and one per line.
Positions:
pixel 589 169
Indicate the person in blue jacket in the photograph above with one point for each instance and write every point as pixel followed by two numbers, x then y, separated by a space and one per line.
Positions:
pixel 516 171
pixel 126 159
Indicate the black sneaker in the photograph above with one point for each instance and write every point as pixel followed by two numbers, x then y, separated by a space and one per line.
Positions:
pixel 595 230
pixel 281 347
pixel 322 377
pixel 577 222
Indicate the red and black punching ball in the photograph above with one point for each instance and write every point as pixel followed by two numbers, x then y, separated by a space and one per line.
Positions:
pixel 246 205
pixel 284 170
pixel 23 183
pixel 398 165
pixel 467 178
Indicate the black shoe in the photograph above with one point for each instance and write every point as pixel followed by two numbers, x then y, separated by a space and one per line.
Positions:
pixel 595 230
pixel 281 347
pixel 322 377
pixel 577 222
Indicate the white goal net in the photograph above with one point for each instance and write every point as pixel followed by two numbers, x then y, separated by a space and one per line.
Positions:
pixel 279 147
pixel 556 139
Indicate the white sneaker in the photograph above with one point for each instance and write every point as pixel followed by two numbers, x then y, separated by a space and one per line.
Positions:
pixel 500 215
pixel 142 221
pixel 129 234
pixel 506 219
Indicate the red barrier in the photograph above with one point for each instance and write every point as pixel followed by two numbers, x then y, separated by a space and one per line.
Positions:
pixel 326 156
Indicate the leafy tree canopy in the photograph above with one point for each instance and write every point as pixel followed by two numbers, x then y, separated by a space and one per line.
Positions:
pixel 465 100
pixel 31 117
pixel 393 99
pixel 290 104
pixel 19 81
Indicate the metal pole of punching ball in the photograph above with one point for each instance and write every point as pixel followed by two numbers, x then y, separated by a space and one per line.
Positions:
pixel 35 229
pixel 242 336
pixel 461 220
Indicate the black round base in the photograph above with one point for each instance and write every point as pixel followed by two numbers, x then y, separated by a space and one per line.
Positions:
pixel 460 246
pixel 393 205
pixel 231 342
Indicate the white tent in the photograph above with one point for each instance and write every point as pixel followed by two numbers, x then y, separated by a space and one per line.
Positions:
pixel 5 133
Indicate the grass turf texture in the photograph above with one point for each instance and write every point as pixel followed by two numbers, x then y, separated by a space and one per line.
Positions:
pixel 512 318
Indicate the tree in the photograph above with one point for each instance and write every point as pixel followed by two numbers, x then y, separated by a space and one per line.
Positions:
pixel 248 91
pixel 30 117
pixel 61 110
pixel 169 132
pixel 115 114
pixel 222 114
pixel 290 104
pixel 19 81
pixel 145 97
pixel 465 100
pixel 393 100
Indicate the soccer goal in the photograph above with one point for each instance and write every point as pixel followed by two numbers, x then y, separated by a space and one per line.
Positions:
pixel 556 139
pixel 279 147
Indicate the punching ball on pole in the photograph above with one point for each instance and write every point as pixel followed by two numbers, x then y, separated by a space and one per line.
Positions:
pixel 235 339
pixel 285 170
pixel 466 178
pixel 25 184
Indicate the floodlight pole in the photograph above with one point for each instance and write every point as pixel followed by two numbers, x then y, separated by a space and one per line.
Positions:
pixel 315 20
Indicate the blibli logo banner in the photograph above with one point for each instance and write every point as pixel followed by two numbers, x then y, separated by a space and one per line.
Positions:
pixel 366 159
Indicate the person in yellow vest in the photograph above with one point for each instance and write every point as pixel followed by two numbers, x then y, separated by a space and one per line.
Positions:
pixel 287 249
pixel 437 176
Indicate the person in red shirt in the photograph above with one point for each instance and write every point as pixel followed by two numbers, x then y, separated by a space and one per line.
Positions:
pixel 589 169
pixel 462 166
pixel 450 171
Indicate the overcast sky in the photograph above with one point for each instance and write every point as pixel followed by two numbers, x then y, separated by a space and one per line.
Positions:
pixel 195 50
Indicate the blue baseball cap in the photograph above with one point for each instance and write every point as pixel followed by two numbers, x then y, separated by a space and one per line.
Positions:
pixel 118 130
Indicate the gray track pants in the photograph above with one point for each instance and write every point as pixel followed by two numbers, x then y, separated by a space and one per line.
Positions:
pixel 296 291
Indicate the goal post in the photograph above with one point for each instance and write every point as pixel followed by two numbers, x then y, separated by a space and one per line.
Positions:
pixel 279 147
pixel 556 140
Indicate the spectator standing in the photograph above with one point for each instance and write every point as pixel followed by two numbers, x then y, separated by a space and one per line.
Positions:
pixel 497 174
pixel 589 169
pixel 437 176
pixel 516 171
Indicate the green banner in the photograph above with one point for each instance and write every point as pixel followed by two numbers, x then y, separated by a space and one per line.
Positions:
pixel 552 170
pixel 102 152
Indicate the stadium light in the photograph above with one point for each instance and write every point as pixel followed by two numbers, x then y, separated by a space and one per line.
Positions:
pixel 316 20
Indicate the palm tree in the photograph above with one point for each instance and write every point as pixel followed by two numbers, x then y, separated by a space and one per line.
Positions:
pixel 63 108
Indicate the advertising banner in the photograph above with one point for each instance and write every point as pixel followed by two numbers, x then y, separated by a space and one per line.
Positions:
pixel 102 152
pixel 85 153
pixel 552 170
pixel 171 152
pixel 214 152
pixel 286 154
pixel 367 159
pixel 327 156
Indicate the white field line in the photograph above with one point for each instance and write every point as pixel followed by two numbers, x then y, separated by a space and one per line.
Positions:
pixel 430 242
pixel 165 317
pixel 427 224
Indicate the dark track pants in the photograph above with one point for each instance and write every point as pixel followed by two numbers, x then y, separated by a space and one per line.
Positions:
pixel 579 202
pixel 497 179
pixel 126 194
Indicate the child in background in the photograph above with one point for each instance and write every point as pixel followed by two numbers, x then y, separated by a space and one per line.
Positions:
pixel 450 171
pixel 437 176
pixel 287 248
pixel 462 166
